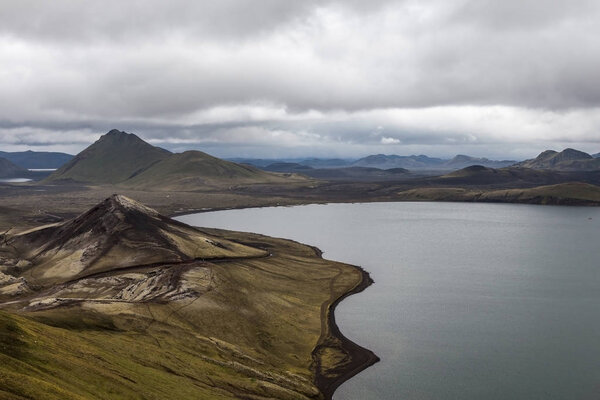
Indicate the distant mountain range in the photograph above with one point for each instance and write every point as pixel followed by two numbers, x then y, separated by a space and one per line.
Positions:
pixel 37 159
pixel 125 159
pixel 382 161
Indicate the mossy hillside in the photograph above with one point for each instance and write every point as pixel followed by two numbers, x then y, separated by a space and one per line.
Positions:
pixel 194 170
pixel 250 333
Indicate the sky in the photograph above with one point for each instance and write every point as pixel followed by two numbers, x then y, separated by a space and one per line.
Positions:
pixel 274 78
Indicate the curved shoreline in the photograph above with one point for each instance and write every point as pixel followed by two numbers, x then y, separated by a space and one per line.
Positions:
pixel 360 357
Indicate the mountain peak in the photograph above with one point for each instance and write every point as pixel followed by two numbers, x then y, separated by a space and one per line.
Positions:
pixel 575 154
pixel 124 203
pixel 115 132
pixel 116 233
pixel 113 158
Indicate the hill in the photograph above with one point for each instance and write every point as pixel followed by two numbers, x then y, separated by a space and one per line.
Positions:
pixel 114 158
pixel 193 170
pixel 383 161
pixel 566 160
pixel 10 170
pixel 571 193
pixel 463 161
pixel 37 159
pixel 115 234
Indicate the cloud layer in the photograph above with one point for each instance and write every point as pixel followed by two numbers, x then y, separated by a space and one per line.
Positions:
pixel 276 78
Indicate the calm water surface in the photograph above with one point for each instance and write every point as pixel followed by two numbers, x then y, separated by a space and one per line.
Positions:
pixel 470 301
pixel 15 180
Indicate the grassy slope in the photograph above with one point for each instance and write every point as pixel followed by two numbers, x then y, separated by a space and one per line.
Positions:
pixel 113 158
pixel 193 169
pixel 574 193
pixel 251 336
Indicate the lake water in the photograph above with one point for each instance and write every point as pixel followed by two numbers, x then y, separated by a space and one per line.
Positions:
pixel 15 180
pixel 470 301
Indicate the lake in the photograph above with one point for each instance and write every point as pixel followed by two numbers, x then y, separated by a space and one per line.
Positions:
pixel 470 301
pixel 15 180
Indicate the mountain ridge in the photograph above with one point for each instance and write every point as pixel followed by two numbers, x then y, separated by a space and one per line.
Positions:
pixel 37 159
pixel 567 160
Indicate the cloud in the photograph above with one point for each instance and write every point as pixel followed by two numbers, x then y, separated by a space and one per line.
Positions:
pixel 389 140
pixel 302 75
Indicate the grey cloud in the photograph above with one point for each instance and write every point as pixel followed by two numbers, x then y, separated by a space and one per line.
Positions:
pixel 87 20
pixel 161 68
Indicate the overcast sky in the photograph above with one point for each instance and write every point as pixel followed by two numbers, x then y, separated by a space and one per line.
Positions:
pixel 277 78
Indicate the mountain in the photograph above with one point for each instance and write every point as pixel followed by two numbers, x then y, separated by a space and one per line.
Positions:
pixel 566 160
pixel 125 159
pixel 195 169
pixel 597 155
pixel 463 161
pixel 383 161
pixel 10 170
pixel 117 233
pixel 37 159
pixel 114 158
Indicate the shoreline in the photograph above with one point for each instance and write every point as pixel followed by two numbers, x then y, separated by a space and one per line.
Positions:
pixel 192 211
pixel 360 358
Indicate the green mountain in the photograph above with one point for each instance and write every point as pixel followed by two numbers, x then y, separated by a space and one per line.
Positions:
pixel 194 169
pixel 114 158
pixel 125 159
pixel 566 160
pixel 10 170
